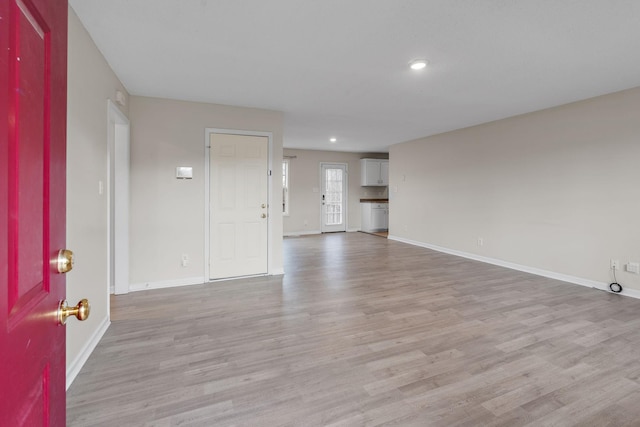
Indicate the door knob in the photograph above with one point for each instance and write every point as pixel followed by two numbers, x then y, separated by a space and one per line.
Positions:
pixel 64 261
pixel 263 216
pixel 264 206
pixel 81 311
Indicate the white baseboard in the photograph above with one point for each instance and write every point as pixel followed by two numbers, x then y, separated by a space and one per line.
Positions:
pixel 76 365
pixel 633 293
pixel 308 233
pixel 300 233
pixel 134 287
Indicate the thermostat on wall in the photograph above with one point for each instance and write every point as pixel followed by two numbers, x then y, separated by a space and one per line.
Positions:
pixel 184 172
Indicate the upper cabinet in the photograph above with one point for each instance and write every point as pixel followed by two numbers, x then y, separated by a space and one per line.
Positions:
pixel 374 172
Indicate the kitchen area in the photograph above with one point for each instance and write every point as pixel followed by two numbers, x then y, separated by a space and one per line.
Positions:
pixel 374 208
pixel 365 192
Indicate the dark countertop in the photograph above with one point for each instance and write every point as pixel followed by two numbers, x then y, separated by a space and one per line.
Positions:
pixel 374 200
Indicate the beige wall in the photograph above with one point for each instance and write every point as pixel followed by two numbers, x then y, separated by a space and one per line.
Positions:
pixel 167 214
pixel 305 185
pixel 90 83
pixel 554 190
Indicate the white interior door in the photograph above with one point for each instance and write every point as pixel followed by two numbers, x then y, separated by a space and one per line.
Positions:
pixel 238 188
pixel 334 196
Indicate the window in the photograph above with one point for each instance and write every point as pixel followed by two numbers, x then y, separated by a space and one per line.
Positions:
pixel 285 187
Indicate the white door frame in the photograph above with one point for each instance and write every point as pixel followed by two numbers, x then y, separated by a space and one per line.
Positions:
pixel 346 193
pixel 118 146
pixel 207 197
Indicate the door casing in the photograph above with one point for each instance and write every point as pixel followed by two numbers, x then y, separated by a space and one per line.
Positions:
pixel 118 143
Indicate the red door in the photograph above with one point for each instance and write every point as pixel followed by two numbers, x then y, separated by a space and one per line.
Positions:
pixel 33 57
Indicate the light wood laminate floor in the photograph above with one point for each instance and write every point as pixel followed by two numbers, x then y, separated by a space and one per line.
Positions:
pixel 363 331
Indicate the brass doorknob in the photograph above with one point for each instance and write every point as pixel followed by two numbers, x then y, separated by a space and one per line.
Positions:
pixel 81 311
pixel 263 216
pixel 264 206
pixel 64 261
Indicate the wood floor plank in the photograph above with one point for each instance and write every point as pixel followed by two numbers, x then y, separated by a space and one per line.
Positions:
pixel 363 331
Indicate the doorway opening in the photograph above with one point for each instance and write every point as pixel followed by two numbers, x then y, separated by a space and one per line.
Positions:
pixel 117 200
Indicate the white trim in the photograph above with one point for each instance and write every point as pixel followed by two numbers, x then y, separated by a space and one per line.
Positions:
pixel 519 267
pixel 277 272
pixel 135 287
pixel 308 233
pixel 118 160
pixel 226 279
pixel 300 233
pixel 207 205
pixel 74 367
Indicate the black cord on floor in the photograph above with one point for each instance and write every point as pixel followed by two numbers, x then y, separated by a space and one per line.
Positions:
pixel 615 286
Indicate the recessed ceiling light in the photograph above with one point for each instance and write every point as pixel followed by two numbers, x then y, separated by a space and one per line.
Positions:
pixel 332 139
pixel 418 64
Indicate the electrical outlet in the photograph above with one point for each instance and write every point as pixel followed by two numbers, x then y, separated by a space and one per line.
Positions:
pixel 185 260
pixel 615 264
pixel 633 267
pixel 480 241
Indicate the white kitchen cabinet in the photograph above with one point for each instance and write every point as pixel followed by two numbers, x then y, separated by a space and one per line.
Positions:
pixel 374 172
pixel 375 216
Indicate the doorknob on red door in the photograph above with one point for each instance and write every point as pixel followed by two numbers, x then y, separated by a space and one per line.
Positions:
pixel 80 311
pixel 64 261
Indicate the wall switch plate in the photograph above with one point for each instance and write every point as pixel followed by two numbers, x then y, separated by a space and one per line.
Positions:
pixel 633 267
pixel 480 241
pixel 615 264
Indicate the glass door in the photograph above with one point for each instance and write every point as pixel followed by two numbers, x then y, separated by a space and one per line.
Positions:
pixel 334 197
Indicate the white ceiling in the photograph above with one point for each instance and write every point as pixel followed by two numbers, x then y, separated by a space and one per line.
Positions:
pixel 339 67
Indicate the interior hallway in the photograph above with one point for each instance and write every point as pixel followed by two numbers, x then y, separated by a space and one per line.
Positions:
pixel 366 331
